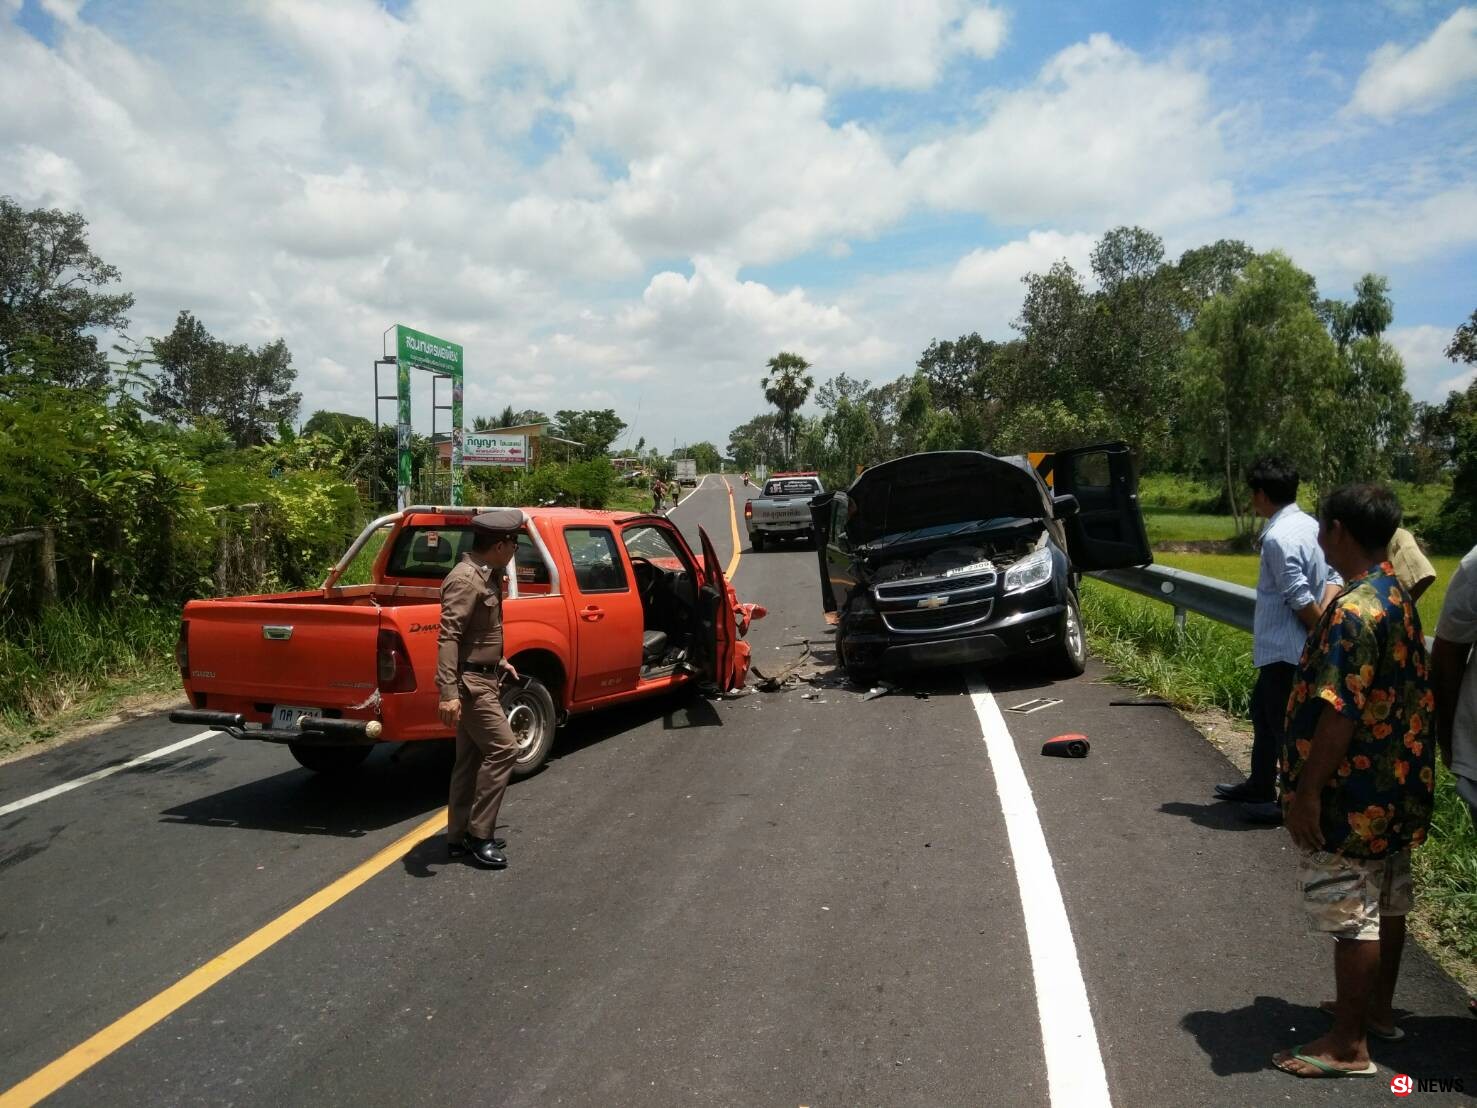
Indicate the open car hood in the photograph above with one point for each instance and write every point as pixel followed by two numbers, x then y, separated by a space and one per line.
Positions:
pixel 940 488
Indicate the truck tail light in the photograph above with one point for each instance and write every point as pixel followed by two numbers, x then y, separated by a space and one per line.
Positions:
pixel 748 509
pixel 395 672
pixel 182 650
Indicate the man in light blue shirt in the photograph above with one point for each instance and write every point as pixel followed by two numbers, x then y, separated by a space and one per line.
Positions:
pixel 1294 585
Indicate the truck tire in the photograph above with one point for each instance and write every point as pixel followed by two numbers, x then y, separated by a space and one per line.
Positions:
pixel 1069 651
pixel 756 541
pixel 530 712
pixel 332 761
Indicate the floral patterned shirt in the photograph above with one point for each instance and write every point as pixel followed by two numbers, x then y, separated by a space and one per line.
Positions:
pixel 1367 659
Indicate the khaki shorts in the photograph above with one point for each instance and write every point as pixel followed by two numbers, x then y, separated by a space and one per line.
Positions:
pixel 1346 897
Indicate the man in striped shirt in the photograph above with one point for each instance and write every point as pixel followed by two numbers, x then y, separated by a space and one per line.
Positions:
pixel 1294 585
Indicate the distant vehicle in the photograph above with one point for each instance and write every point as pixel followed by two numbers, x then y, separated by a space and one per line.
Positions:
pixel 602 608
pixel 782 509
pixel 686 470
pixel 958 556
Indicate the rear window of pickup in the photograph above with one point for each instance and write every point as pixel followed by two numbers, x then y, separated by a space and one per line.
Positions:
pixel 798 486
pixel 430 552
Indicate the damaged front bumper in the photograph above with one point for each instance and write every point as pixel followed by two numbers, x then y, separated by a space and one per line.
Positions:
pixel 868 643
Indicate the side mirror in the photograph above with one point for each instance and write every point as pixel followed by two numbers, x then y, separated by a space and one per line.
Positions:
pixel 1065 506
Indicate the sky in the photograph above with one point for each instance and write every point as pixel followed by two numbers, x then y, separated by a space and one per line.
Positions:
pixel 637 205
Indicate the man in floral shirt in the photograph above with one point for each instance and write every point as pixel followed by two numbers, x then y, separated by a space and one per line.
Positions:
pixel 1358 776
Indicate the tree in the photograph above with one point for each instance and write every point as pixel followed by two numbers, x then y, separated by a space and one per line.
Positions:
pixel 1206 272
pixel 786 385
pixel 755 442
pixel 335 425
pixel 951 367
pixel 51 295
pixel 1463 345
pixel 704 453
pixel 595 429
pixel 1260 373
pixel 1368 315
pixel 199 377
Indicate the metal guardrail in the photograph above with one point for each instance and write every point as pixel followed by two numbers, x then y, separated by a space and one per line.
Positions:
pixel 1192 592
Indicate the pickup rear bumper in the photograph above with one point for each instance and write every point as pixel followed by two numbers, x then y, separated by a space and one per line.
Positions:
pixel 317 731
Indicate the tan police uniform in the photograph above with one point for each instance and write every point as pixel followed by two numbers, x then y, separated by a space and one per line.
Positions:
pixel 468 654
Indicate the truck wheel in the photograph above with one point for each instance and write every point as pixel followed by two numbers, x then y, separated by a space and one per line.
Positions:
pixel 756 542
pixel 858 673
pixel 530 712
pixel 1069 652
pixel 330 760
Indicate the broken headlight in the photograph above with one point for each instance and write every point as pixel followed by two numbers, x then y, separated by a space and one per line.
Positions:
pixel 1030 571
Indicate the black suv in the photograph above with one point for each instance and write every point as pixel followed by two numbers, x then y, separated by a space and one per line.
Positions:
pixel 959 556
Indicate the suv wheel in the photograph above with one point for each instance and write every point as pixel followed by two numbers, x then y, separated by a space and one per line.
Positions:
pixel 1069 652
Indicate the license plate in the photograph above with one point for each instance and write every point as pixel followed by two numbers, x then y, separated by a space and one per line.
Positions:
pixel 285 716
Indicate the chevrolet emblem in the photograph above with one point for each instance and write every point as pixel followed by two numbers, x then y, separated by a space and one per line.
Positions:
pixel 933 602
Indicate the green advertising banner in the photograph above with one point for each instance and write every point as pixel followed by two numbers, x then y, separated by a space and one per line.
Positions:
pixel 418 350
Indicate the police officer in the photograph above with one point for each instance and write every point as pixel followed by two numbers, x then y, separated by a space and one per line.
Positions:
pixel 469 670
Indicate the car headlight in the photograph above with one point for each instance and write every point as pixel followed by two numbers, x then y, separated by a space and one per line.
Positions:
pixel 1030 571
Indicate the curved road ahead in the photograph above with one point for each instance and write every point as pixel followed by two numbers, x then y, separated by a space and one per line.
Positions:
pixel 769 900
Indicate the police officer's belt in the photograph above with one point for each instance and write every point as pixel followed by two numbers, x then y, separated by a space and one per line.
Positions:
pixel 478 667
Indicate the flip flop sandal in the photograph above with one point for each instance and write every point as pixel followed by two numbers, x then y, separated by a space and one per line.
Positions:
pixel 1391 1034
pixel 1325 1069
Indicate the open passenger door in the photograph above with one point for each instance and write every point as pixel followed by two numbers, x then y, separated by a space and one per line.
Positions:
pixel 1107 532
pixel 717 629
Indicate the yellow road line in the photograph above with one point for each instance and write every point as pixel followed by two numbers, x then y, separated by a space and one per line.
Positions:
pixel 733 523
pixel 83 1057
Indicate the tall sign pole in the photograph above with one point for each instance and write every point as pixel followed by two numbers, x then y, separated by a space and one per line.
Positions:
pixel 418 350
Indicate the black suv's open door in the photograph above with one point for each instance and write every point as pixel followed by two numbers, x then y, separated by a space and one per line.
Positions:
pixel 1108 530
pixel 820 517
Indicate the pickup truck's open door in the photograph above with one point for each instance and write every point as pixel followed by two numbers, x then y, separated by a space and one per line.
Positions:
pixel 1107 532
pixel 717 629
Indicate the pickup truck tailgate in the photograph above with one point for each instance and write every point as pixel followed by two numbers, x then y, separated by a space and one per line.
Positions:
pixel 306 655
pixel 791 511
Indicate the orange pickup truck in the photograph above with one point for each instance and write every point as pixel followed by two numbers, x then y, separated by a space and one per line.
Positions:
pixel 601 608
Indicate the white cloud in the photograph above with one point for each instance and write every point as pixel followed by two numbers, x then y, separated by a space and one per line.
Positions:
pixel 1004 266
pixel 1397 81
pixel 1429 375
pixel 1102 135
pixel 983 32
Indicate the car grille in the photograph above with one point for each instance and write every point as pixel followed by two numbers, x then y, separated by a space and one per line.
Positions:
pixel 911 607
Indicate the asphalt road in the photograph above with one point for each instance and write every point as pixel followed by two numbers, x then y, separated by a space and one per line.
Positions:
pixel 766 900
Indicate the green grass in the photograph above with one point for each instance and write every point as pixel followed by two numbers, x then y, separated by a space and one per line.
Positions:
pixel 1183 525
pixel 77 662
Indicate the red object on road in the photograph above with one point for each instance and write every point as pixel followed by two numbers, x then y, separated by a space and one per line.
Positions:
pixel 1066 746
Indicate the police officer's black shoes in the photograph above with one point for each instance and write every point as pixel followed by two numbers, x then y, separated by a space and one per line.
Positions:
pixel 460 848
pixel 487 853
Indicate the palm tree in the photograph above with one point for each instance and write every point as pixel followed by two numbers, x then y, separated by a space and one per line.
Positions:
pixel 786 385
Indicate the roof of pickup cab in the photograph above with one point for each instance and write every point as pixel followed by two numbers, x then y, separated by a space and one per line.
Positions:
pixel 557 514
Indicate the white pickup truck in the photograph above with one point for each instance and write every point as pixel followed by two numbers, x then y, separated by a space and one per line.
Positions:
pixel 782 508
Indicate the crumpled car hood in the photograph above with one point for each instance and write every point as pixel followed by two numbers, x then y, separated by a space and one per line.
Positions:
pixel 942 487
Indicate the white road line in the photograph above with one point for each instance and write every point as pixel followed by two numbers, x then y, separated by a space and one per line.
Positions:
pixel 1074 1063
pixel 98 775
pixel 689 496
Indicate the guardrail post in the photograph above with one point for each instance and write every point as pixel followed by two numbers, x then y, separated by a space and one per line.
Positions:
pixel 1179 619
pixel 48 565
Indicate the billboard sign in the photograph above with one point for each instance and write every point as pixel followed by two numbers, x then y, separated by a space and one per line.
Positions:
pixel 428 352
pixel 495 450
